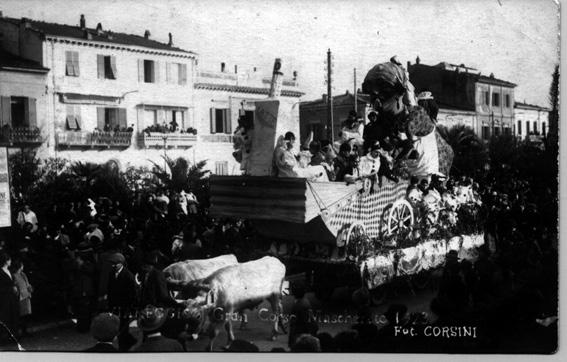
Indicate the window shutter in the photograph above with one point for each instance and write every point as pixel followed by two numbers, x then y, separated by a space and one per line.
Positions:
pixel 77 117
pixel 213 123
pixel 30 112
pixel 122 123
pixel 113 66
pixel 6 116
pixel 76 63
pixel 100 65
pixel 156 72
pixel 168 79
pixel 183 76
pixel 100 118
pixel 140 70
pixel 69 63
pixel 226 121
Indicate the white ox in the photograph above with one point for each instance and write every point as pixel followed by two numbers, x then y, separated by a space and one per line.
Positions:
pixel 187 271
pixel 231 290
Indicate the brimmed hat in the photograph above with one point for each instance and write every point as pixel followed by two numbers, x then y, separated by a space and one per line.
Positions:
pixel 152 318
pixel 105 327
pixel 116 258
pixel 372 113
pixel 375 146
pixel 452 255
pixel 424 95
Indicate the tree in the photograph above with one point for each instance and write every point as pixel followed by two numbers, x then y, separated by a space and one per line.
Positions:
pixel 180 175
pixel 554 114
pixel 471 154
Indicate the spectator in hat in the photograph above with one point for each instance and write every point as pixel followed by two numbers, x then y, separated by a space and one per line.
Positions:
pixel 341 163
pixel 9 310
pixel 122 298
pixel 25 291
pixel 154 285
pixel 425 99
pixel 306 343
pixel 104 328
pixel 83 282
pixel 151 321
pixel 93 230
pixel 372 131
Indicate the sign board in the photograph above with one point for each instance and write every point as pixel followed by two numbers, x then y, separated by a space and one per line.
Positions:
pixel 5 214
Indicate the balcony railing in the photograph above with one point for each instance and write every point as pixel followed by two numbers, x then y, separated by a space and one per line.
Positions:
pixel 217 138
pixel 168 140
pixel 21 136
pixel 94 139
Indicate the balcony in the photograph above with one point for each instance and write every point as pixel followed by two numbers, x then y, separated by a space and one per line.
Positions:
pixel 20 136
pixel 167 140
pixel 217 138
pixel 94 139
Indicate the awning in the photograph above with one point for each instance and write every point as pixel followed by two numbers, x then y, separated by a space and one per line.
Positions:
pixel 162 106
pixel 77 98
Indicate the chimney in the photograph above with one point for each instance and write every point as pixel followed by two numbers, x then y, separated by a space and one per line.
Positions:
pixel 82 22
pixel 295 75
pixel 491 75
pixel 99 29
pixel 235 69
pixel 417 60
pixel 409 64
pixel 147 34
pixel 324 97
pixel 170 43
pixel 25 22
pixel 254 69
pixel 222 67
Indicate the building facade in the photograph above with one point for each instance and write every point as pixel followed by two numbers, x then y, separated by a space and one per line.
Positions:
pixel 531 120
pixel 131 99
pixel 22 99
pixel 465 96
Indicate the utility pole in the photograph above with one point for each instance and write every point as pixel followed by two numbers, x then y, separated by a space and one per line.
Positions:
pixel 330 133
pixel 355 95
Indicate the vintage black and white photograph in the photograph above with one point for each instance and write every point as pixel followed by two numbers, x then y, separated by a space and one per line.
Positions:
pixel 279 176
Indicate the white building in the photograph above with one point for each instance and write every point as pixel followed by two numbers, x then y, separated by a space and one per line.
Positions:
pixel 531 120
pixel 108 96
pixel 22 95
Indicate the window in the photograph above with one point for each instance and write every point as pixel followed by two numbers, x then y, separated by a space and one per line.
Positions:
pixel 175 119
pixel 17 112
pixel 527 127
pixel 543 129
pixel 485 132
pixel 520 127
pixel 496 131
pixel 148 71
pixel 496 99
pixel 72 64
pixel 73 119
pixel 111 119
pixel 535 127
pixel 507 100
pixel 106 66
pixel 176 73
pixel 507 130
pixel 220 121
pixel 221 168
pixel 486 98
pixel 150 117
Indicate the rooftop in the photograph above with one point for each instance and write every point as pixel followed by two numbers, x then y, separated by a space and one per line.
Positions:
pixel 9 61
pixel 106 36
pixel 342 99
pixel 523 105
pixel 244 89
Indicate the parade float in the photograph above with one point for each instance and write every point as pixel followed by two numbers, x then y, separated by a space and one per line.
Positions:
pixel 336 233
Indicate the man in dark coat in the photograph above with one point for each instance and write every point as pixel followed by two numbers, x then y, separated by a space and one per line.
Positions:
pixel 122 298
pixel 154 286
pixel 104 329
pixel 9 306
pixel 151 321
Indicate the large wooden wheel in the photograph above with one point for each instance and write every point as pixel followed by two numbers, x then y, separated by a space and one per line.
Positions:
pixel 356 232
pixel 356 241
pixel 400 218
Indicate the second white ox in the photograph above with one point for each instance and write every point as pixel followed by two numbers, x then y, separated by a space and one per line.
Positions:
pixel 231 290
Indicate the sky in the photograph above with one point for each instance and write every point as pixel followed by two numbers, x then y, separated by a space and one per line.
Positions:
pixel 517 40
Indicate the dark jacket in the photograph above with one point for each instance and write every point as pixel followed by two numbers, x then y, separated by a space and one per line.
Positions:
pixel 9 305
pixel 159 344
pixel 154 290
pixel 122 290
pixel 101 347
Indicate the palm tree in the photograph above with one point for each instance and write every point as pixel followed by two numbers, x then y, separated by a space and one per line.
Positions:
pixel 471 154
pixel 179 174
